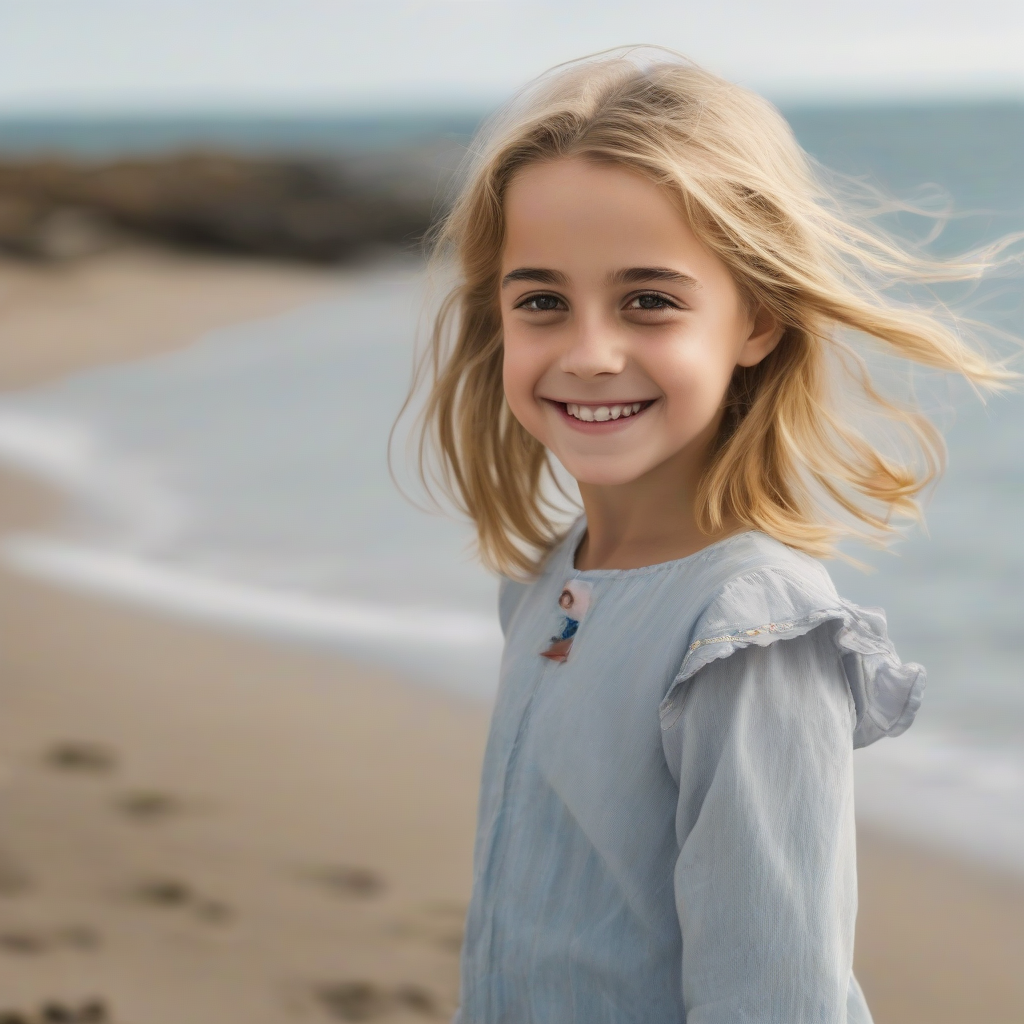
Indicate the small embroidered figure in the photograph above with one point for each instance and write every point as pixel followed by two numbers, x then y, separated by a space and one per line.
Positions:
pixel 574 600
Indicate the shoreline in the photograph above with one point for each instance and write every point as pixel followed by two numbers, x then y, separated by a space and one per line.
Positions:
pixel 210 826
pixel 134 302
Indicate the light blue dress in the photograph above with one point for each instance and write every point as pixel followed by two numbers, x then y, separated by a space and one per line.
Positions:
pixel 666 828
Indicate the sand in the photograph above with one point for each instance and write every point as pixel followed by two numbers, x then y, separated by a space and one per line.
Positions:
pixel 212 828
pixel 129 303
pixel 234 831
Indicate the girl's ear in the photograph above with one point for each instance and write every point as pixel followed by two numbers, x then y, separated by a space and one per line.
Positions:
pixel 765 334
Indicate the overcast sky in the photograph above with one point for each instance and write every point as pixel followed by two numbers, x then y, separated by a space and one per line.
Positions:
pixel 239 55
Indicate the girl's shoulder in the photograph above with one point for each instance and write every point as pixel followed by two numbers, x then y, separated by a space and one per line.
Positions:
pixel 759 588
pixel 751 590
pixel 743 579
pixel 764 592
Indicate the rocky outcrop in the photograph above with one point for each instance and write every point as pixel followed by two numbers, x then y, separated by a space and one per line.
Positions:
pixel 297 208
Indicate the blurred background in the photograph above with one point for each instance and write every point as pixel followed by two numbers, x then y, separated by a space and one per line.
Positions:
pixel 244 683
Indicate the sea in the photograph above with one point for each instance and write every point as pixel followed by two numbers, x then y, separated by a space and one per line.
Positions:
pixel 245 480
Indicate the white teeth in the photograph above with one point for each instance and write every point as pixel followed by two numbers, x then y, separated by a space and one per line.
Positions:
pixel 601 413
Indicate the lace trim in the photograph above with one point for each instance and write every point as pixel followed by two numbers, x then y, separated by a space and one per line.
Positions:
pixel 771 627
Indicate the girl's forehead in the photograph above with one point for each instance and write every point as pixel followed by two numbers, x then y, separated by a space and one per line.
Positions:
pixel 564 180
pixel 597 221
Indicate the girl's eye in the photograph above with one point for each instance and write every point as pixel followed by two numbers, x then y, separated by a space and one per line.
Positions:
pixel 541 303
pixel 651 300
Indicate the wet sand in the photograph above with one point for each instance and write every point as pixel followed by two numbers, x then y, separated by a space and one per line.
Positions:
pixel 212 827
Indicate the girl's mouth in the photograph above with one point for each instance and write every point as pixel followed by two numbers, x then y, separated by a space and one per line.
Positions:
pixel 591 416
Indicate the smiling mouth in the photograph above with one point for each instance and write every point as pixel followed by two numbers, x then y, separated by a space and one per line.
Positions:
pixel 604 413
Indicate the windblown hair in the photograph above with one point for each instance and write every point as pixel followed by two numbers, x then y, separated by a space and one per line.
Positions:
pixel 786 461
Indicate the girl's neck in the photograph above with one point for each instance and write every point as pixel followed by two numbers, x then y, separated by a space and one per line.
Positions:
pixel 647 521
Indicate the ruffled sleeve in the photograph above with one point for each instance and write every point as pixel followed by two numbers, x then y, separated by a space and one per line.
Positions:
pixel 772 604
pixel 757 736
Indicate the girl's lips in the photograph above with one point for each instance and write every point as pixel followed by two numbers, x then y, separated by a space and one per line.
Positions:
pixel 604 426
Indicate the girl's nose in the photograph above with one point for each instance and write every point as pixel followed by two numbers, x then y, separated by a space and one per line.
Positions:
pixel 593 350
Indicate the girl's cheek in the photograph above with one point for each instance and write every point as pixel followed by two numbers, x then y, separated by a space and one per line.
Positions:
pixel 520 378
pixel 694 395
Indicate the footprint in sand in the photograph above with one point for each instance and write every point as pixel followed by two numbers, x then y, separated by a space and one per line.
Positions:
pixel 365 1000
pixel 174 894
pixel 148 805
pixel 81 756
pixel 164 892
pixel 357 882
pixel 92 1011
pixel 22 943
pixel 32 942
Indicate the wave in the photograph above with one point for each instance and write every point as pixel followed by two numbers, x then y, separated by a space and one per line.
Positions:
pixel 948 791
pixel 74 457
pixel 457 650
pixel 134 515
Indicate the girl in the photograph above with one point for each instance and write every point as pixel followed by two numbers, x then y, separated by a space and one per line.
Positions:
pixel 651 286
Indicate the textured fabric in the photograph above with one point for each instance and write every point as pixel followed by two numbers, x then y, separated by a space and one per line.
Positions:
pixel 666 813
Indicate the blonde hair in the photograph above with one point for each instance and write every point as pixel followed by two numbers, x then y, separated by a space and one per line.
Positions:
pixel 785 461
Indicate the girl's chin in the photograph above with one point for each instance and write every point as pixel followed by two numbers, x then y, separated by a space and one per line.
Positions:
pixel 592 475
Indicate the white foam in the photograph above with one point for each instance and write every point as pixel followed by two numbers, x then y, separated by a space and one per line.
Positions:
pixel 459 650
pixel 134 517
pixel 72 456
pixel 949 792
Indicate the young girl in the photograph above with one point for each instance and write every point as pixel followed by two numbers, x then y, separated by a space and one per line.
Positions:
pixel 651 286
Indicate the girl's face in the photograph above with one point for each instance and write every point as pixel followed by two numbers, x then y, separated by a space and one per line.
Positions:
pixel 621 331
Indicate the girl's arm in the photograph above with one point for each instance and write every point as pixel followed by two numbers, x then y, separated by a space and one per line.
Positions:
pixel 765 883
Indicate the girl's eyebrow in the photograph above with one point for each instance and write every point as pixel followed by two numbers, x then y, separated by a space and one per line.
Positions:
pixel 536 274
pixel 636 275
pixel 631 275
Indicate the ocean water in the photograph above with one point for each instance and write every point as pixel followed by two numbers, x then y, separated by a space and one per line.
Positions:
pixel 102 138
pixel 244 481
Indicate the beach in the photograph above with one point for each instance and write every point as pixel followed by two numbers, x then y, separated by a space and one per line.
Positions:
pixel 213 826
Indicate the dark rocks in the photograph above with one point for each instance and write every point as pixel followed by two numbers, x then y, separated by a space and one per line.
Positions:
pixel 305 208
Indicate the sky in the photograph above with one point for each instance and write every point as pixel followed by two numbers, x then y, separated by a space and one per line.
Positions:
pixel 146 56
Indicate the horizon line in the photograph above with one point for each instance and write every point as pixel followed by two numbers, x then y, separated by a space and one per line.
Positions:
pixel 445 108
